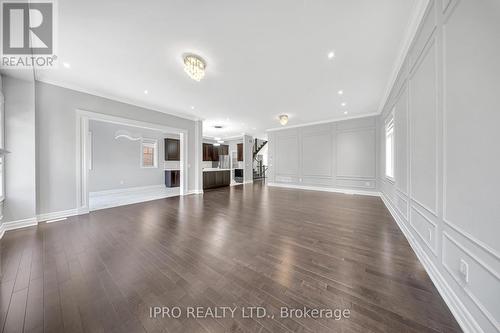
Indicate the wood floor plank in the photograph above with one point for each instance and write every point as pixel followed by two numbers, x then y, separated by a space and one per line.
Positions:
pixel 238 247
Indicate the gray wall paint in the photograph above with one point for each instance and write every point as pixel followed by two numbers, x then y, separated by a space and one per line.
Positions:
pixel 332 155
pixel 56 136
pixel 116 163
pixel 446 129
pixel 20 201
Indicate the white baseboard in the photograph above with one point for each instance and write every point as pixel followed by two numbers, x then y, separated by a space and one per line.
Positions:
pixel 325 189
pixel 131 195
pixel 457 308
pixel 12 225
pixel 194 192
pixel 56 215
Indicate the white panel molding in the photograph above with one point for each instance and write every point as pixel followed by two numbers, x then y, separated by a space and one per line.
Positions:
pixel 494 321
pixel 457 308
pixel 473 239
pixel 315 134
pixel 449 6
pixel 411 32
pixel 423 55
pixel 432 246
pixel 325 189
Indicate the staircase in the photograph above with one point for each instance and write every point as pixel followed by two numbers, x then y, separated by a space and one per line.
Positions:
pixel 259 169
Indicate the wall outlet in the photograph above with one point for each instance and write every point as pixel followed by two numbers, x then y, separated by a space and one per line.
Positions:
pixel 464 270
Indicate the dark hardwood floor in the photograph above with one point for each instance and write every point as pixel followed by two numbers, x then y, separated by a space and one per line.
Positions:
pixel 240 246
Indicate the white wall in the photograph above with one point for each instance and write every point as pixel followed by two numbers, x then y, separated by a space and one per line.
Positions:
pixel 336 155
pixel 445 194
pixel 116 163
pixel 56 136
pixel 20 200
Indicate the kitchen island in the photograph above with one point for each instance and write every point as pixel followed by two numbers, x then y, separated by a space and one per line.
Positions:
pixel 216 177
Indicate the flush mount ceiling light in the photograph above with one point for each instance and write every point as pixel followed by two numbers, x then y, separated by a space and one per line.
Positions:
pixel 340 92
pixel 283 119
pixel 331 55
pixel 194 66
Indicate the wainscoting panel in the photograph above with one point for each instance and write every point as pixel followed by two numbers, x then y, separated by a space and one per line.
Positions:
pixel 287 155
pixel 423 130
pixel 317 154
pixel 356 153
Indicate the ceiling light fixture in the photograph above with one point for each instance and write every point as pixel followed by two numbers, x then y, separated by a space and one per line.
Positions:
pixel 345 112
pixel 66 64
pixel 340 92
pixel 194 66
pixel 283 119
pixel 343 104
pixel 146 92
pixel 331 54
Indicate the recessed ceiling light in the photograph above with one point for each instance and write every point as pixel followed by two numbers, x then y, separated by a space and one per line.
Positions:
pixel 331 54
pixel 66 64
pixel 192 107
pixel 340 92
pixel 146 92
pixel 345 112
pixel 343 104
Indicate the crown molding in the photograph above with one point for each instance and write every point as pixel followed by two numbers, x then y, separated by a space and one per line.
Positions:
pixel 411 30
pixel 333 120
pixel 118 99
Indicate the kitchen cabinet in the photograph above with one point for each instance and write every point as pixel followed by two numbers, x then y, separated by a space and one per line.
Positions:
pixel 172 178
pixel 239 149
pixel 214 179
pixel 215 153
pixel 207 152
pixel 224 150
pixel 211 152
pixel 172 150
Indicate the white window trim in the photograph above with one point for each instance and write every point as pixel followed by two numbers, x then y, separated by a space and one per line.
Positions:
pixel 154 143
pixel 389 124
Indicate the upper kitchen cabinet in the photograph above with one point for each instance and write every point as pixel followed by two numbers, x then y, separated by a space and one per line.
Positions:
pixel 224 150
pixel 208 149
pixel 239 148
pixel 172 150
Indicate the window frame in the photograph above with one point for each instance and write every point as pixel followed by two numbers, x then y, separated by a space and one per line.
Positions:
pixel 152 143
pixel 390 132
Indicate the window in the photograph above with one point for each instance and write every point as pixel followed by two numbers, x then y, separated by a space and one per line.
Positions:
pixel 149 153
pixel 389 147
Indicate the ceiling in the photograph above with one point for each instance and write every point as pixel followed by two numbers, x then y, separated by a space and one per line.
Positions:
pixel 264 58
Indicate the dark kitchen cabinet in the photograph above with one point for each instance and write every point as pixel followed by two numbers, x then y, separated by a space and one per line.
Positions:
pixel 208 152
pixel 239 149
pixel 215 153
pixel 214 179
pixel 172 178
pixel 172 150
pixel 224 150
